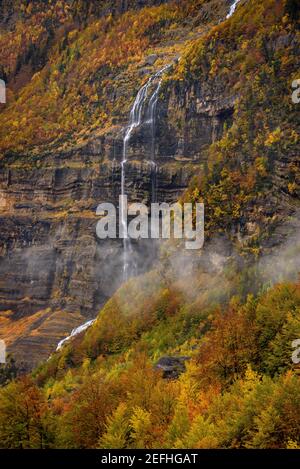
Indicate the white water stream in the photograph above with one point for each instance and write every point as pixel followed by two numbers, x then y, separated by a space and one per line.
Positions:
pixel 232 8
pixel 142 113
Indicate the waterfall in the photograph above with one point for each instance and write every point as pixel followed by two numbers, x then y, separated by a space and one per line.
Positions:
pixel 151 113
pixel 138 116
pixel 232 8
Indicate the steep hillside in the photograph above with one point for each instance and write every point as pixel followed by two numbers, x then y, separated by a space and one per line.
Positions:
pixel 68 79
pixel 251 186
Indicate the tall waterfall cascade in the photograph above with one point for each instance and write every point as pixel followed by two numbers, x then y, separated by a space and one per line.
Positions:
pixel 143 113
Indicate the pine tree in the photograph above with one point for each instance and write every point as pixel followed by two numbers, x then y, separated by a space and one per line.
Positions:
pixel 140 425
pixel 117 429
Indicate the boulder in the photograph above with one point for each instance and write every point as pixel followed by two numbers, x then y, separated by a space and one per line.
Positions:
pixel 151 59
pixel 171 367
